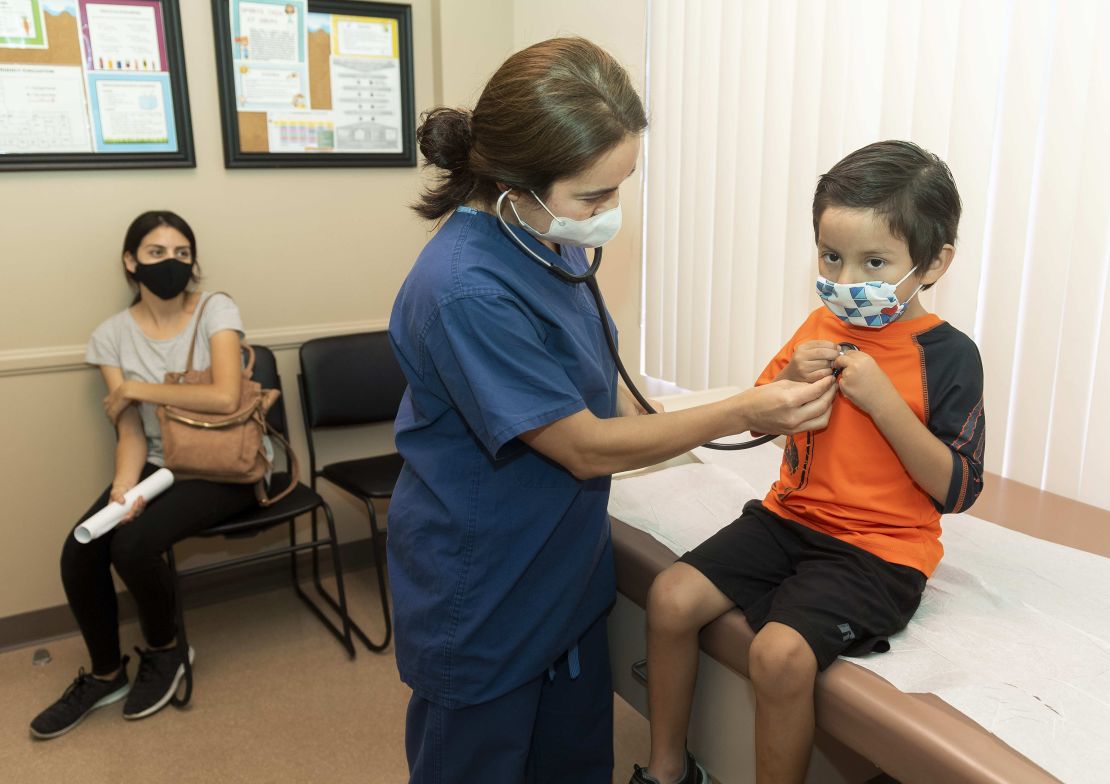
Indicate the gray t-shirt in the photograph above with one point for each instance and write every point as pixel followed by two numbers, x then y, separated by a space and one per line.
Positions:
pixel 119 342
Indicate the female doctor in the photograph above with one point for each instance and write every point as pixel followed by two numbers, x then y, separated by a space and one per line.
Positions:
pixel 500 556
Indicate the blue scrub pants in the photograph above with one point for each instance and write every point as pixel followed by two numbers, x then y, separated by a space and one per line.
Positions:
pixel 548 730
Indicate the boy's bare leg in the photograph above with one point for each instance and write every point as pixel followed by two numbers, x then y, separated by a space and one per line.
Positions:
pixel 783 670
pixel 681 601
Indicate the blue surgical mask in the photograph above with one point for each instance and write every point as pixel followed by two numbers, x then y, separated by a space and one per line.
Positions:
pixel 873 303
pixel 593 232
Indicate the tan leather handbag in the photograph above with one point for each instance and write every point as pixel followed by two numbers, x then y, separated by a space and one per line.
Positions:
pixel 223 447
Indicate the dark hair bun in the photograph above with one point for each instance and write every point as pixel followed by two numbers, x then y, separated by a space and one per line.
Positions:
pixel 444 138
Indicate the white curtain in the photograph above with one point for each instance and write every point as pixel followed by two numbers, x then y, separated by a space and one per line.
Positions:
pixel 750 101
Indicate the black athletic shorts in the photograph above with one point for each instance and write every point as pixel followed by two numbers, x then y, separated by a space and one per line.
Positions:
pixel 841 599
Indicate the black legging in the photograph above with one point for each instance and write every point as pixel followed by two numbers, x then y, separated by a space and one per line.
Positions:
pixel 136 550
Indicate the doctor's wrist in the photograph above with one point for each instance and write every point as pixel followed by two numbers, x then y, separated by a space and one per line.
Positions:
pixel 741 415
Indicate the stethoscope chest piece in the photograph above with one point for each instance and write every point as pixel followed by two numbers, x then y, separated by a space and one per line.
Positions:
pixel 843 348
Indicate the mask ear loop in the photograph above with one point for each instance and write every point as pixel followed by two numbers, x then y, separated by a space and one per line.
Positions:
pixel 519 219
pixel 554 218
pixel 920 286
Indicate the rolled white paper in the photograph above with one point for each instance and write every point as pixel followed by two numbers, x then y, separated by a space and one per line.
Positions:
pixel 108 518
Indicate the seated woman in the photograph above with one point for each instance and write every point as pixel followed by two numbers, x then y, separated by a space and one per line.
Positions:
pixel 134 349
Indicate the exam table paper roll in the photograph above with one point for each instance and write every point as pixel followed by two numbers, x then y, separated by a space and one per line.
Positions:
pixel 108 518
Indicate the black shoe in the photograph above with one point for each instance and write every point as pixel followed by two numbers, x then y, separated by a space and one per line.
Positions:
pixel 693 774
pixel 84 695
pixel 155 682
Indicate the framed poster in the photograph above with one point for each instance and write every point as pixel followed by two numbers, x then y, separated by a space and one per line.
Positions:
pixel 93 84
pixel 315 83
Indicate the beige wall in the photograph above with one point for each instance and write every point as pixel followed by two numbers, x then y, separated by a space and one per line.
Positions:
pixel 304 253
pixel 476 37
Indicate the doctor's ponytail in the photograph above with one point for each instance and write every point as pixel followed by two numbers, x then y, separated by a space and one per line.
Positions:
pixel 548 113
pixel 444 139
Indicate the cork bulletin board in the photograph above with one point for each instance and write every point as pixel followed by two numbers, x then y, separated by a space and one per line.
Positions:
pixel 315 83
pixel 92 84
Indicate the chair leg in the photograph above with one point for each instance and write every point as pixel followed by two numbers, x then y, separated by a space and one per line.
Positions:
pixel 182 640
pixel 378 543
pixel 293 571
pixel 373 647
pixel 337 565
pixel 315 550
pixel 340 607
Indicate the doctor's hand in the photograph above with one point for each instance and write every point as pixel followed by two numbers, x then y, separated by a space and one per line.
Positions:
pixel 812 361
pixel 864 383
pixel 785 407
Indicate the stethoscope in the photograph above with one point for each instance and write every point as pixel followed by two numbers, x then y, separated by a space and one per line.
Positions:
pixel 589 277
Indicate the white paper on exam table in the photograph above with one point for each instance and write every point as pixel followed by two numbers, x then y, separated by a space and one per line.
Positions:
pixel 1013 631
pixel 681 506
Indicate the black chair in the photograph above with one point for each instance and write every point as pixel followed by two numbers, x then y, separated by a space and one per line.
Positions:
pixel 302 500
pixel 355 380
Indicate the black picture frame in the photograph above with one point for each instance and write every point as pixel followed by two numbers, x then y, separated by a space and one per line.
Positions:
pixel 235 157
pixel 183 157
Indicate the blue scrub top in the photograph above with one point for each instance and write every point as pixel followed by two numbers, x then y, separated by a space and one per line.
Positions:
pixel 499 559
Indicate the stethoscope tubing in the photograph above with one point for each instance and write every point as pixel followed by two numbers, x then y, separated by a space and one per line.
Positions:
pixel 591 284
pixel 589 277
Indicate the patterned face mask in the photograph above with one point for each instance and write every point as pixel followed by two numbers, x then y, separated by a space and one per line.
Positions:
pixel 873 303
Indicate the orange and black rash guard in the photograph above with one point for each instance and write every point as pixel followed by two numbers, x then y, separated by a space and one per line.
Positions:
pixel 847 481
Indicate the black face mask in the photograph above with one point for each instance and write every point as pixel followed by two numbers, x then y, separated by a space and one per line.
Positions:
pixel 165 279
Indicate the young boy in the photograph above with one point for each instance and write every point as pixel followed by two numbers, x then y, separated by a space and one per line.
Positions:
pixel 835 558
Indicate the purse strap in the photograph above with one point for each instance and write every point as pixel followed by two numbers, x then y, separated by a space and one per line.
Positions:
pixel 260 494
pixel 196 331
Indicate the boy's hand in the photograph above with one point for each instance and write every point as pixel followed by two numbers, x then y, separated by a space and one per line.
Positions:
pixel 864 383
pixel 811 362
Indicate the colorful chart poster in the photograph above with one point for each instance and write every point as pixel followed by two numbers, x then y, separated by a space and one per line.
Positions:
pixel 22 24
pixel 42 109
pixel 347 97
pixel 132 112
pixel 366 99
pixel 357 36
pixel 271 32
pixel 298 83
pixel 124 35
pixel 111 80
pixel 270 54
pixel 270 87
pixel 300 132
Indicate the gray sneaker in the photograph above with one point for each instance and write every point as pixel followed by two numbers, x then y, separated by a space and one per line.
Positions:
pixel 82 697
pixel 156 681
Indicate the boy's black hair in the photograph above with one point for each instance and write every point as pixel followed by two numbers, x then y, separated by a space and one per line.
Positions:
pixel 911 188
